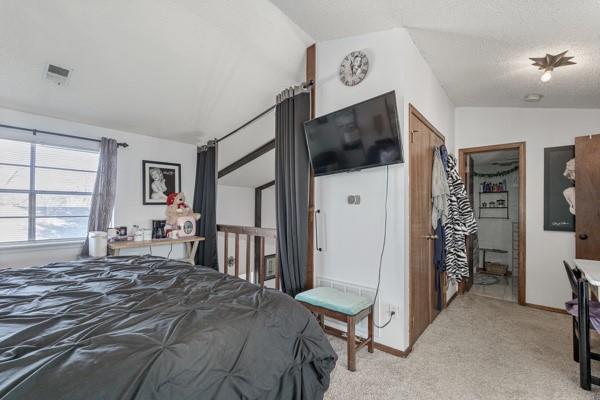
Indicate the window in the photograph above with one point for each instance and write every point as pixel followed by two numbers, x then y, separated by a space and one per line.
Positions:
pixel 45 191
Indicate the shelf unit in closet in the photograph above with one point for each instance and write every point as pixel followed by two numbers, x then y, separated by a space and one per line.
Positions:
pixel 481 207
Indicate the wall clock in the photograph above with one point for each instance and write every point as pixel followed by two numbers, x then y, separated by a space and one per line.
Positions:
pixel 353 68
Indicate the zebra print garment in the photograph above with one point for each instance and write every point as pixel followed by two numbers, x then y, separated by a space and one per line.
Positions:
pixel 460 223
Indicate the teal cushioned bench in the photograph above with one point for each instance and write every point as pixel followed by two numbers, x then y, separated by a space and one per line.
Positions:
pixel 344 307
pixel 335 300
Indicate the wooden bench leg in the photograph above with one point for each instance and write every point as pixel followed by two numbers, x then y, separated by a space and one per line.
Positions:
pixel 351 344
pixel 371 345
pixel 321 319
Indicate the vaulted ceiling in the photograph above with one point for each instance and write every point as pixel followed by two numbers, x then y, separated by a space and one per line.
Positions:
pixel 177 69
pixel 479 49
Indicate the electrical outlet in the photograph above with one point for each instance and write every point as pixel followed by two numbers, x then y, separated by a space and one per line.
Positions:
pixel 393 309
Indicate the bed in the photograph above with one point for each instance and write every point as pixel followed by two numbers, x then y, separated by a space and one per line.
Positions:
pixel 145 327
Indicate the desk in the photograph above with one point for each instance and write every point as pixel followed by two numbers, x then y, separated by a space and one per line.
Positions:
pixel 191 246
pixel 590 275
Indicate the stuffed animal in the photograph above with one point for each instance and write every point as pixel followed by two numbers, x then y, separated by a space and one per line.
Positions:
pixel 176 208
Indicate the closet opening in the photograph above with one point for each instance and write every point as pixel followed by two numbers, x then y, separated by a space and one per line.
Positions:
pixel 494 177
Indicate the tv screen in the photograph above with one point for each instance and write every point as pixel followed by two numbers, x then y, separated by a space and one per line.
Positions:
pixel 361 136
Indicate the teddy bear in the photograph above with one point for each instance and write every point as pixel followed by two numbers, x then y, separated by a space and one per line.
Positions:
pixel 176 208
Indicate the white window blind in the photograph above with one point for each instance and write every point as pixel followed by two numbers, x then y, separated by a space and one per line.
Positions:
pixel 45 191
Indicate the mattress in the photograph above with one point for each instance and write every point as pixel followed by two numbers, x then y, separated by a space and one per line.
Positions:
pixel 151 328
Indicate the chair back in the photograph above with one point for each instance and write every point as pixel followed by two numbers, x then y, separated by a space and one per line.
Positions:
pixel 574 275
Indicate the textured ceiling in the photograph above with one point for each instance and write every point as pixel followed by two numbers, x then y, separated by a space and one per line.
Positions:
pixel 177 69
pixel 479 49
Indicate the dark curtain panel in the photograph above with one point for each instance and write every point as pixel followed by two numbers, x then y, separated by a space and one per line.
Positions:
pixel 105 189
pixel 205 202
pixel 291 187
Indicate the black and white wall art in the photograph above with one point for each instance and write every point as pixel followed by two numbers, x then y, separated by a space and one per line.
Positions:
pixel 559 188
pixel 160 179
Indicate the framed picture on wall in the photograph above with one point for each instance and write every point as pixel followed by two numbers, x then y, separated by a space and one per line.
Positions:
pixel 160 179
pixel 559 188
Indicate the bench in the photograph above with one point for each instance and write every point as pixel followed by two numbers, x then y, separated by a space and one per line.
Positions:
pixel 344 307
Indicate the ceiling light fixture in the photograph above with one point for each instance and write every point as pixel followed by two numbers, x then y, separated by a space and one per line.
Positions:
pixel 546 76
pixel 550 62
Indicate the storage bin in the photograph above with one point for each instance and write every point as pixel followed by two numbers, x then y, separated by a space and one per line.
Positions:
pixel 97 244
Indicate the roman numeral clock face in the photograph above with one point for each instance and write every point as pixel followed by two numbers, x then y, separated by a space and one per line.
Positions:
pixel 354 68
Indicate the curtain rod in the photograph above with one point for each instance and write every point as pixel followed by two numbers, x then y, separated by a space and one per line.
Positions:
pixel 36 131
pixel 304 85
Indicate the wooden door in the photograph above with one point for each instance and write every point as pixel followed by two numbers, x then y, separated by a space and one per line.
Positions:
pixel 468 179
pixel 423 139
pixel 587 197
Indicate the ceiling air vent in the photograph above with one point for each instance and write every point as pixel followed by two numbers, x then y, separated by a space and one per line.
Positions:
pixel 58 75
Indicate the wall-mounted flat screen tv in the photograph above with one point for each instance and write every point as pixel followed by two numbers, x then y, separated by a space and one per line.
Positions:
pixel 361 136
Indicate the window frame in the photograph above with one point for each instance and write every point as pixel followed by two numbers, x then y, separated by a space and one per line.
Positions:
pixel 32 196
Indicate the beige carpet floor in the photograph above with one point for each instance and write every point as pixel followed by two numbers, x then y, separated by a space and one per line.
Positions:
pixel 479 348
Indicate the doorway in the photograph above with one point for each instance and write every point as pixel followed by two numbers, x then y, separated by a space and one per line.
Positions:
pixel 423 139
pixel 494 177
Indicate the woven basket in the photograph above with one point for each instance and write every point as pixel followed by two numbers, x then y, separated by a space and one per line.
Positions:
pixel 496 268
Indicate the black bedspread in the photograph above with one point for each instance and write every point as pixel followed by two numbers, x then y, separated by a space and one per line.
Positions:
pixel 151 328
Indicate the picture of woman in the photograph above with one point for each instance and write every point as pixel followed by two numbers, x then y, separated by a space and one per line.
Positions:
pixel 559 188
pixel 569 192
pixel 158 186
pixel 160 179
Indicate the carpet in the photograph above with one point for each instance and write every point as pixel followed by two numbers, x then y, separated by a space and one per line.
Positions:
pixel 479 348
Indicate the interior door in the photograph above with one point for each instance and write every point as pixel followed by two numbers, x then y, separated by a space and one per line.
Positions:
pixel 421 269
pixel 587 197
pixel 468 178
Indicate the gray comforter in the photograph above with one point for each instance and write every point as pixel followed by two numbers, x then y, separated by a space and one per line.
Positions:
pixel 152 328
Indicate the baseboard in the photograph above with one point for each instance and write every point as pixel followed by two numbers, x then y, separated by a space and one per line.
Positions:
pixel 451 299
pixel 546 308
pixel 381 347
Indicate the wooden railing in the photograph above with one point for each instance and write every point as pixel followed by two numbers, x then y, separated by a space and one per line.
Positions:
pixel 250 232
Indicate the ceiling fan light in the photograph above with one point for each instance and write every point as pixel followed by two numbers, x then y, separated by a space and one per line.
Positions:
pixel 546 76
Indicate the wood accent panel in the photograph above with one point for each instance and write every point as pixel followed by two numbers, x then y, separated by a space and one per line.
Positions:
pixel 587 195
pixel 521 147
pixel 423 137
pixel 311 74
pixel 226 253
pixel 266 185
pixel 248 240
pixel 248 230
pixel 546 308
pixel 257 223
pixel 259 234
pixel 253 155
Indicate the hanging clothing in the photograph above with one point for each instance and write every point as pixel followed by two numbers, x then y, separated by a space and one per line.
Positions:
pixel 460 223
pixel 439 190
pixel 439 197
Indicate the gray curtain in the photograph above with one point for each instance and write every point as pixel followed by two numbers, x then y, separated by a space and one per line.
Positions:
pixel 105 189
pixel 291 187
pixel 205 202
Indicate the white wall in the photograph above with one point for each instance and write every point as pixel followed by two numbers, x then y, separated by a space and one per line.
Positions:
pixel 352 235
pixel 235 206
pixel 268 217
pixel 129 209
pixel 546 283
